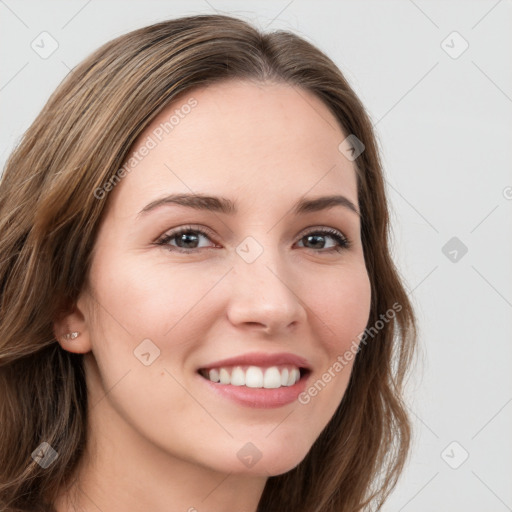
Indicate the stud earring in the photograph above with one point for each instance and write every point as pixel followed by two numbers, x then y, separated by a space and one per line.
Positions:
pixel 71 335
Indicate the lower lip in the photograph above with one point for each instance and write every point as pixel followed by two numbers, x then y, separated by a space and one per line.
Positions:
pixel 263 398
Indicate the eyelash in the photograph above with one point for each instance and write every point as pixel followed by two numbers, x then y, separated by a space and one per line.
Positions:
pixel 343 242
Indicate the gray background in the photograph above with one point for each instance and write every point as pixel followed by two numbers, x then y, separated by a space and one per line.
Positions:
pixel 444 125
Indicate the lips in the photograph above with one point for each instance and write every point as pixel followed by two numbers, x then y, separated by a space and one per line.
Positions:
pixel 258 380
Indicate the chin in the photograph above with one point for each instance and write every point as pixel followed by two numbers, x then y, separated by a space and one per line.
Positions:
pixel 279 467
pixel 270 460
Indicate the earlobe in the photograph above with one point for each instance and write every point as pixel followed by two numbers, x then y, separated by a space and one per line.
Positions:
pixel 72 341
pixel 70 331
pixel 71 335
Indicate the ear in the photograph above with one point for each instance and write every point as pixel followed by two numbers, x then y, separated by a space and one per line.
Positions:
pixel 73 321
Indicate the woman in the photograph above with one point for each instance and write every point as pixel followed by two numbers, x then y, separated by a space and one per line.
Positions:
pixel 199 310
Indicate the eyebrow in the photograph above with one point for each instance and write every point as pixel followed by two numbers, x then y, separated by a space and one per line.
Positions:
pixel 228 207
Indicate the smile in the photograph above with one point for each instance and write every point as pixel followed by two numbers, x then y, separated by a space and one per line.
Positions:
pixel 255 376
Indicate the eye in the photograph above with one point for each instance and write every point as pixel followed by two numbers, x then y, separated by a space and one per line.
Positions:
pixel 187 239
pixel 318 236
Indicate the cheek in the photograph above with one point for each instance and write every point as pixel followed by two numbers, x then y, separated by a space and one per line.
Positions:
pixel 152 298
pixel 342 309
pixel 343 305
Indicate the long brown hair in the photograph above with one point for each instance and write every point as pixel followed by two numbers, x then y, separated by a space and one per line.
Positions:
pixel 49 217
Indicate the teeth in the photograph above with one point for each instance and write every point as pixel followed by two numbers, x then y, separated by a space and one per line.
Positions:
pixel 214 375
pixel 238 377
pixel 254 376
pixel 272 378
pixel 225 378
pixel 293 377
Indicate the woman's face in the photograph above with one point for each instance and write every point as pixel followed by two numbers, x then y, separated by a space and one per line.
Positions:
pixel 264 280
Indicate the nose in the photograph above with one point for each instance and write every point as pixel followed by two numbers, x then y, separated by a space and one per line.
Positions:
pixel 263 295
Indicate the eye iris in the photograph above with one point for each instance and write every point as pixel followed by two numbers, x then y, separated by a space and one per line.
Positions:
pixel 317 237
pixel 187 238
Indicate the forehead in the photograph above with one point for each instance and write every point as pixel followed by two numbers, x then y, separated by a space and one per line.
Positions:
pixel 243 137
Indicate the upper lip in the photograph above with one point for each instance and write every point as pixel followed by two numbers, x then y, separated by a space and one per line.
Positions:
pixel 261 359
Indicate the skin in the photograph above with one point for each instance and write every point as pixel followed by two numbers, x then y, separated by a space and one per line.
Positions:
pixel 158 438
